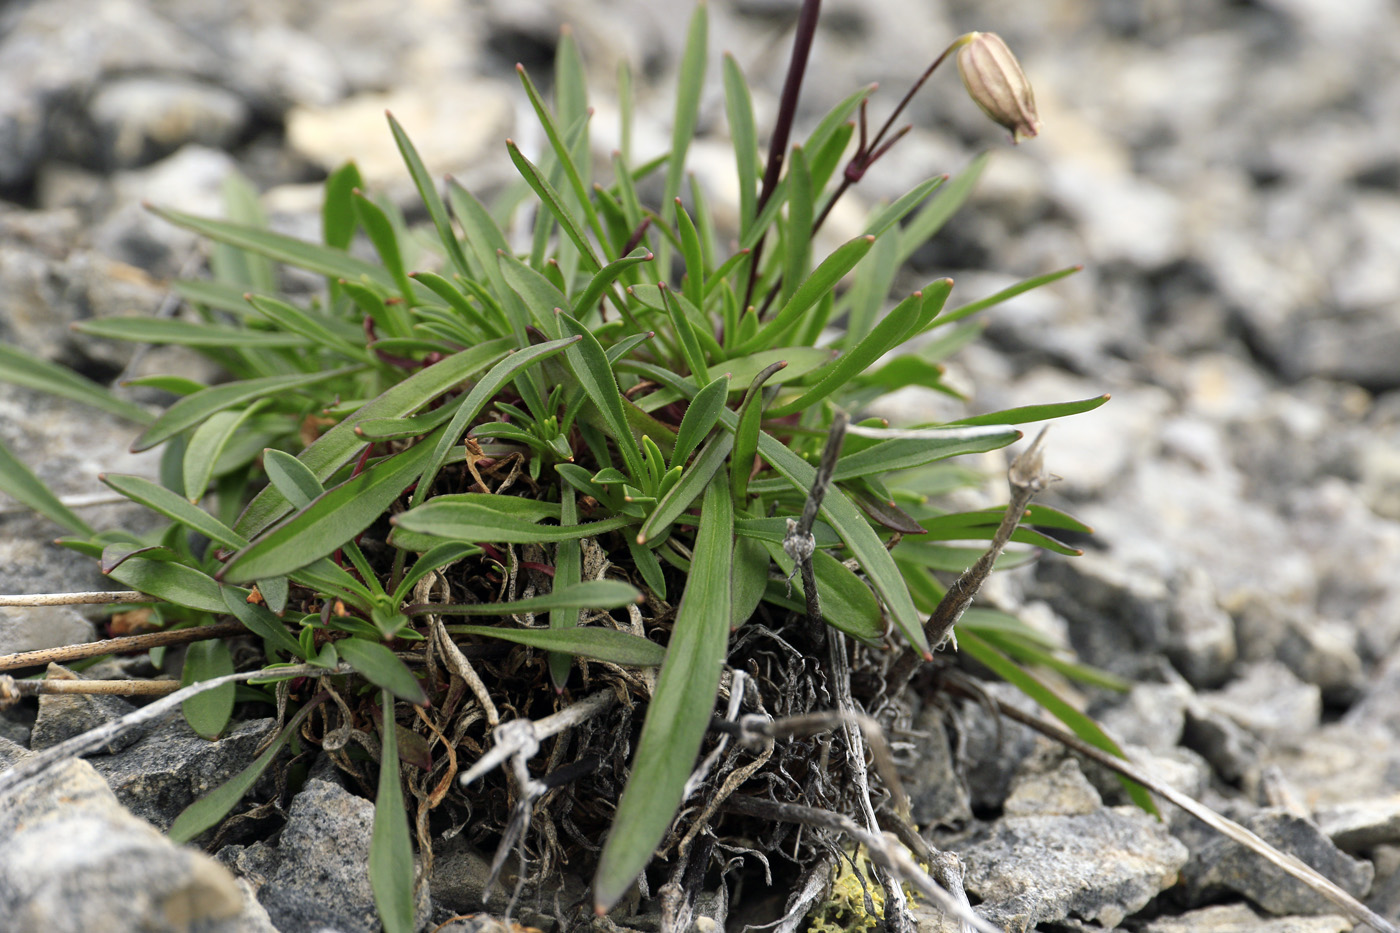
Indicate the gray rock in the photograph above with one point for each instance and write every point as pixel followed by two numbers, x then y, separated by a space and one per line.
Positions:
pixel 936 792
pixel 992 749
pixel 1149 715
pixel 1231 749
pixel 1061 791
pixel 1101 866
pixel 42 627
pixel 1117 609
pixel 64 715
pixel 322 874
pixel 1339 764
pixel 1379 707
pixel 138 119
pixel 1269 701
pixel 16 724
pixel 1200 638
pixel 1362 824
pixel 1177 767
pixel 1238 918
pixel 1317 651
pixel 75 860
pixel 170 768
pixel 1385 893
pixel 1220 865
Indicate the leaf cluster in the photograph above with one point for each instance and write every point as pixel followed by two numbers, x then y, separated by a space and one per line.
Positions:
pixel 636 380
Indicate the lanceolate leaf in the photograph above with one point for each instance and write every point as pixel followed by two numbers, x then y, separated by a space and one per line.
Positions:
pixel 594 373
pixel 332 519
pixel 598 644
pixel 379 665
pixel 700 417
pixel 680 708
pixel 334 448
pixel 215 805
pixel 24 369
pixel 589 594
pixel 263 623
pixel 847 603
pixel 692 484
pixel 1035 412
pixel 822 280
pixel 390 849
pixel 186 333
pixel 460 521
pixel 427 190
pixel 173 506
pixel 174 583
pixel 18 481
pixel 568 571
pixel 208 712
pixel 193 409
pixel 902 453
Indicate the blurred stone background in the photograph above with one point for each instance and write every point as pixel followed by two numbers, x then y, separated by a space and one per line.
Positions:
pixel 1228 173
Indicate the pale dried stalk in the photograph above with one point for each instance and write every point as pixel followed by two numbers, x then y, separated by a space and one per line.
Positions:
pixel 125 688
pixel 523 735
pixel 124 645
pixel 95 598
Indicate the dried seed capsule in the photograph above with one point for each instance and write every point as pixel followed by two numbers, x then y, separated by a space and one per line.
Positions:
pixel 994 80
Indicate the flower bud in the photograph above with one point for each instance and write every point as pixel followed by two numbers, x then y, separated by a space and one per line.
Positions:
pixel 994 80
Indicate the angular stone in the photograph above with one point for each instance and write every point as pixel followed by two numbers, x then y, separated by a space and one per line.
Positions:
pixel 1100 866
pixel 1238 918
pixel 322 874
pixel 1362 824
pixel 64 715
pixel 1221 865
pixel 75 860
pixel 172 767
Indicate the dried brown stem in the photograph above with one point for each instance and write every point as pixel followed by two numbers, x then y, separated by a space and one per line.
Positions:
pixel 123 645
pixel 96 598
pixel 126 688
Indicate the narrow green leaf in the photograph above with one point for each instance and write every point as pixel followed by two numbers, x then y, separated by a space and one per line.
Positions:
pixel 700 417
pixel 798 254
pixel 597 286
pixel 931 218
pixel 173 506
pixel 750 416
pixel 591 367
pixel 738 105
pixel 440 556
pixel 230 264
pixel 338 208
pixel 330 520
pixel 653 574
pixel 319 329
pixel 390 848
pixel 338 445
pixel 693 482
pixel 193 409
pixel 449 292
pixel 903 453
pixel 174 583
pixel 208 810
pixel 208 712
pixel 1006 294
pixel 323 260
pixel 568 571
pixel 291 477
pixel 167 331
pixel 590 594
pixel 551 200
pixel 207 444
pixel 561 150
pixel 690 84
pixel 598 644
pixel 681 706
pixel 32 372
pixel 873 280
pixel 686 334
pixel 487 242
pixel 19 482
pixel 428 192
pixel 380 667
pixel 889 333
pixel 1078 723
pixel 847 603
pixel 822 280
pixel 748 581
pixel 261 622
pixel 1030 413
pixel 495 379
pixel 457 521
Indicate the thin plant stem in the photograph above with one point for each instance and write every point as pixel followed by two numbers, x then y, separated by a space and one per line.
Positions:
pixel 125 688
pixel 94 598
pixel 124 645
